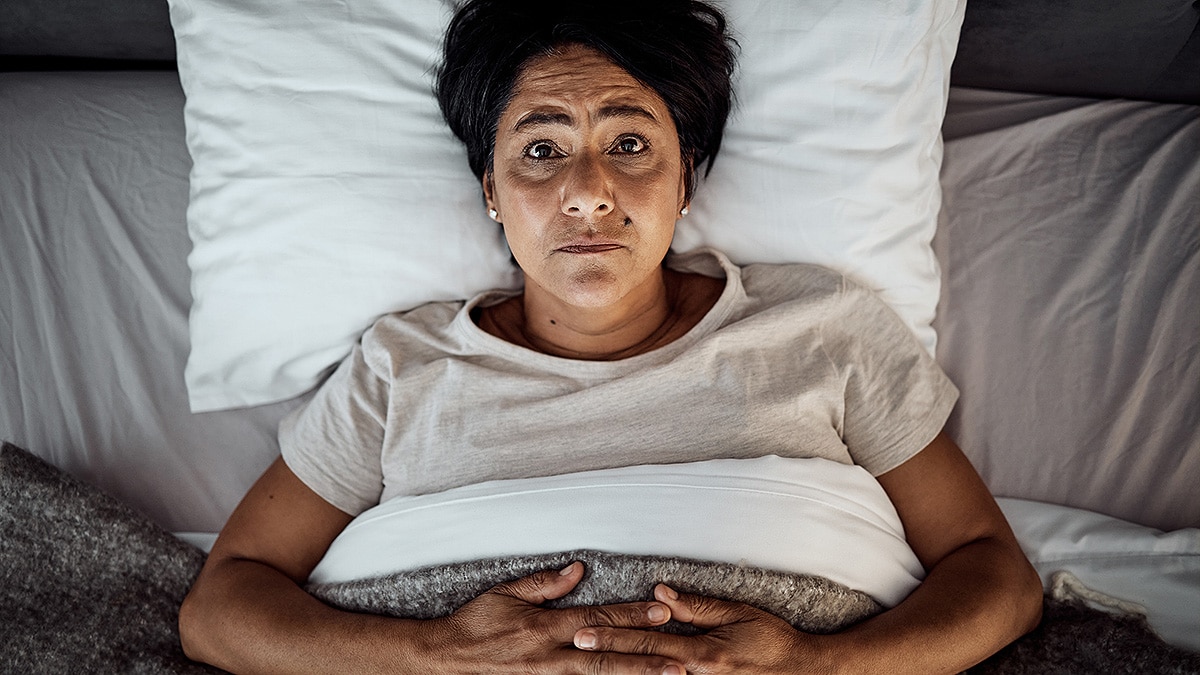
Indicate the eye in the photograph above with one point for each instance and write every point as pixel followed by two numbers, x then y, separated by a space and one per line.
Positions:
pixel 631 145
pixel 540 150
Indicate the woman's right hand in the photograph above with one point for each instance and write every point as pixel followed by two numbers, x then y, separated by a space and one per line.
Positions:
pixel 248 612
pixel 507 630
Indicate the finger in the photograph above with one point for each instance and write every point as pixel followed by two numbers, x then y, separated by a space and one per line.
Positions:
pixel 699 610
pixel 542 586
pixel 633 641
pixel 615 663
pixel 563 624
pixel 623 615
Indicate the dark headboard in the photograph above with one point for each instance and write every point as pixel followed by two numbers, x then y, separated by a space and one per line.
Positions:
pixel 1142 49
pixel 85 34
pixel 1145 49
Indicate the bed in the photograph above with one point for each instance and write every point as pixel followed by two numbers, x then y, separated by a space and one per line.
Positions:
pixel 1065 266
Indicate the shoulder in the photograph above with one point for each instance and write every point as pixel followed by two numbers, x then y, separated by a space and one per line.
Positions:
pixel 846 314
pixel 794 280
pixel 838 294
pixel 416 335
pixel 765 283
pixel 819 293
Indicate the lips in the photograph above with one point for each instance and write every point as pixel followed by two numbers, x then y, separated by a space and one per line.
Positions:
pixel 580 249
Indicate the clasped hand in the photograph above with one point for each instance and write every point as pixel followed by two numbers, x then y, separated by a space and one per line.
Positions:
pixel 507 630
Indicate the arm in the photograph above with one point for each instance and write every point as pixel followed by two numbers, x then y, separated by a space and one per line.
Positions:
pixel 980 593
pixel 247 611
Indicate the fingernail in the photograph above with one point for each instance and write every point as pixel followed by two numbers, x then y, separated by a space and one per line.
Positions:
pixel 657 613
pixel 672 670
pixel 670 593
pixel 567 570
pixel 586 640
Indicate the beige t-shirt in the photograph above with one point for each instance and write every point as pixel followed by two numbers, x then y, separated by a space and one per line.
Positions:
pixel 793 360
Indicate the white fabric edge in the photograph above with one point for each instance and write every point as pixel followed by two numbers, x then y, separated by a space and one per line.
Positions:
pixel 1160 571
pixel 808 516
pixel 201 540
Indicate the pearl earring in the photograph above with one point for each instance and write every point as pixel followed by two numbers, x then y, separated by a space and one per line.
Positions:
pixel 683 211
pixel 492 213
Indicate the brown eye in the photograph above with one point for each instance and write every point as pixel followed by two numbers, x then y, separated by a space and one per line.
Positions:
pixel 540 150
pixel 631 145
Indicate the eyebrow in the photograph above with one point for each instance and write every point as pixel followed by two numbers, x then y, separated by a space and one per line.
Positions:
pixel 626 111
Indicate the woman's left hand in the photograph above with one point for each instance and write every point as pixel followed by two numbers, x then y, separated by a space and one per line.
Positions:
pixel 738 638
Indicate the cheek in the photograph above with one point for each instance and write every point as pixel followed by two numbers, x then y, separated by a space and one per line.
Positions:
pixel 651 197
pixel 522 239
pixel 535 199
pixel 522 197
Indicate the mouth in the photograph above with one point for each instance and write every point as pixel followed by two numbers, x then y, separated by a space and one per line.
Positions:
pixel 585 249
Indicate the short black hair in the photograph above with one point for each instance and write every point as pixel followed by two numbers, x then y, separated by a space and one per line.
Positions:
pixel 678 48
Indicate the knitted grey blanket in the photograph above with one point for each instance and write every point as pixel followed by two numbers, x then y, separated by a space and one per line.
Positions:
pixel 87 585
pixel 811 603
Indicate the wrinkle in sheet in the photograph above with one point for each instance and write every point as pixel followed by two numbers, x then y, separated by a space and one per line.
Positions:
pixel 1069 245
pixel 94 298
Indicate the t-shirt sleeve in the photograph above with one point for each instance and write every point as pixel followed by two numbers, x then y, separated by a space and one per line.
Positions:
pixel 334 444
pixel 897 398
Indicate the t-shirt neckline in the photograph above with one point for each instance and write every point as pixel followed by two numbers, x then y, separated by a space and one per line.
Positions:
pixel 692 261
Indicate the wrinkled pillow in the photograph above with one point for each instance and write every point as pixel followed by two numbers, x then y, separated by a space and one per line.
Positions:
pixel 326 189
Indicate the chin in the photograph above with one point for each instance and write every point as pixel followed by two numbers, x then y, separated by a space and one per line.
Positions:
pixel 592 284
pixel 592 295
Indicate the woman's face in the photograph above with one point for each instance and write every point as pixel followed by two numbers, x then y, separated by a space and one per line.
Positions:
pixel 587 179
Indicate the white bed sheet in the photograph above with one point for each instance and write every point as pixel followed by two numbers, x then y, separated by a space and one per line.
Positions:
pixel 800 516
pixel 1158 570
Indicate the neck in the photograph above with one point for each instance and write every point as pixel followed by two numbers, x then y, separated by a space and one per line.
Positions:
pixel 635 325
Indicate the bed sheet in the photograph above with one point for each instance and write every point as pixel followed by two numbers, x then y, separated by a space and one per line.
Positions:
pixel 1159 572
pixel 94 298
pixel 800 516
pixel 1070 249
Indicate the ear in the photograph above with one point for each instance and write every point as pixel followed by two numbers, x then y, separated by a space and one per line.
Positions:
pixel 489 189
pixel 685 177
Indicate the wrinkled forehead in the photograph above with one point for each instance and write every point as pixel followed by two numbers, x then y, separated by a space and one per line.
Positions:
pixel 579 76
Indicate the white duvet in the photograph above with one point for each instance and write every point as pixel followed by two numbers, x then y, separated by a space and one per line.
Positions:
pixel 801 516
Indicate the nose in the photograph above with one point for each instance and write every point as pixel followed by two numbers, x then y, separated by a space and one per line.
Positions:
pixel 587 190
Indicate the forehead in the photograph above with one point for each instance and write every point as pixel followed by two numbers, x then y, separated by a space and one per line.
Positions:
pixel 579 76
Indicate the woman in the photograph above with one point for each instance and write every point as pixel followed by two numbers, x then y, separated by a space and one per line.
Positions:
pixel 585 125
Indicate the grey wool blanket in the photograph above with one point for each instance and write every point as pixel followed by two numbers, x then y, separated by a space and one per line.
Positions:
pixel 811 603
pixel 87 585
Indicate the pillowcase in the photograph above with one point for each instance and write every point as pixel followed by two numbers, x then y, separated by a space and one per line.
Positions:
pixel 326 190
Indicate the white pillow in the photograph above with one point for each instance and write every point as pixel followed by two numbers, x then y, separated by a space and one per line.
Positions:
pixel 326 189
